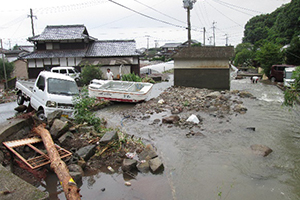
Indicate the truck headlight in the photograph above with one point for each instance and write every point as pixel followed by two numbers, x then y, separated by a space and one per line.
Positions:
pixel 51 104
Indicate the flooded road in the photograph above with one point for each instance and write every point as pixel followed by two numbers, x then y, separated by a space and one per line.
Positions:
pixel 220 165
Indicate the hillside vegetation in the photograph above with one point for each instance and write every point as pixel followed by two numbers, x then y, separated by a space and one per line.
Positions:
pixel 266 35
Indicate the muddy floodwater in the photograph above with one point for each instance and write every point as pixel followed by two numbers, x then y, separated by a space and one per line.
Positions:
pixel 217 166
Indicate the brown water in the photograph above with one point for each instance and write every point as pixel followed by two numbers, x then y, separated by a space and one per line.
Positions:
pixel 218 166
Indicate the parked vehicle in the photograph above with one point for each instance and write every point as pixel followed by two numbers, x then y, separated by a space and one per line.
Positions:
pixel 277 72
pixel 70 71
pixel 124 91
pixel 287 80
pixel 50 92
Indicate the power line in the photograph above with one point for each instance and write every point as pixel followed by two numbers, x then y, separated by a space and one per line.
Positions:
pixel 147 16
pixel 159 11
pixel 224 15
pixel 235 6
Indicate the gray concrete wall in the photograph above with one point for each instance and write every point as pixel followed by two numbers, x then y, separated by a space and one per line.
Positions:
pixel 211 78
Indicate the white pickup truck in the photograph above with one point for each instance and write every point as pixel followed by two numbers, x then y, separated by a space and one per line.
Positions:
pixel 50 92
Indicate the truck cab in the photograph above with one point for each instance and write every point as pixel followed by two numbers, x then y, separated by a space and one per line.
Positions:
pixel 50 92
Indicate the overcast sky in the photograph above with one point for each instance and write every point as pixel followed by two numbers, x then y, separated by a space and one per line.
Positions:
pixel 156 21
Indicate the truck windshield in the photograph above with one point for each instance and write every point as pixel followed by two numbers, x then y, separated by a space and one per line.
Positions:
pixel 62 87
pixel 288 75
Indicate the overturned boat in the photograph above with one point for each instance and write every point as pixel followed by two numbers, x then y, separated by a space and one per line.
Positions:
pixel 123 91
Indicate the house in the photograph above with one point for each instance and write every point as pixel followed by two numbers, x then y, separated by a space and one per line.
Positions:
pixel 169 49
pixel 20 65
pixel 203 67
pixel 71 45
pixel 120 56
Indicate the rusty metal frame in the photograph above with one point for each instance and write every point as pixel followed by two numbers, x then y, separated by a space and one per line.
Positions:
pixel 37 161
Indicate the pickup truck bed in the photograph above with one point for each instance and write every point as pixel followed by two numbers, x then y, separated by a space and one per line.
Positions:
pixel 26 87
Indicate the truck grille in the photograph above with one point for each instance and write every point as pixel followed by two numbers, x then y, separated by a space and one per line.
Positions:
pixel 65 106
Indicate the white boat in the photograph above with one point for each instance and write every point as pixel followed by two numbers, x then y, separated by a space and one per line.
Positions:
pixel 124 91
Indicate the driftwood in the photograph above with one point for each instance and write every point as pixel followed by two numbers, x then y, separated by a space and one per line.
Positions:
pixel 60 168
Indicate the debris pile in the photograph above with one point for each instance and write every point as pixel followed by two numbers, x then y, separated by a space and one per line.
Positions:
pixel 109 151
pixel 177 100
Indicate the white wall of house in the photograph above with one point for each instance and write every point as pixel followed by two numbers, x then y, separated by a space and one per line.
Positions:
pixel 40 63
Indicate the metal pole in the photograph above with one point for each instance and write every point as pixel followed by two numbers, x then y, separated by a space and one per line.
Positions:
pixel 31 17
pixel 214 34
pixel 204 36
pixel 189 26
pixel 3 61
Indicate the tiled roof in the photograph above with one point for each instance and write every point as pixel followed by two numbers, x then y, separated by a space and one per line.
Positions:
pixel 62 32
pixel 110 48
pixel 209 52
pixel 171 45
pixel 56 54
pixel 27 48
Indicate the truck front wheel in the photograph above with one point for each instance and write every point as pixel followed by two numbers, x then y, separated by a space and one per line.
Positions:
pixel 20 99
pixel 41 115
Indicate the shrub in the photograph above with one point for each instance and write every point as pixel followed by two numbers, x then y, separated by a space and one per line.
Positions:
pixel 90 72
pixel 131 77
pixel 83 112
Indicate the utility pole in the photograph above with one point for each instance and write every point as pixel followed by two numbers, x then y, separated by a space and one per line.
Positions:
pixel 214 34
pixel 188 4
pixel 226 37
pixel 3 61
pixel 204 36
pixel 147 43
pixel 189 26
pixel 31 17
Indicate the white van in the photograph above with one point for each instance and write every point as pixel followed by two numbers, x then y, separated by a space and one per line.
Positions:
pixel 287 80
pixel 70 71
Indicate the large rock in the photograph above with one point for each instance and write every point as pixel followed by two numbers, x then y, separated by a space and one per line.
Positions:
pixel 240 108
pixel 148 153
pixel 155 164
pixel 143 167
pixel 21 108
pixel 128 165
pixel 171 119
pixel 58 128
pixel 86 152
pixel 54 115
pixel 214 95
pixel 261 150
pixel 245 94
pixel 75 168
pixel 65 136
pixel 109 136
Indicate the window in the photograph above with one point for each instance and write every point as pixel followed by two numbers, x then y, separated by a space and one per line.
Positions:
pixel 41 83
pixel 63 71
pixel 49 46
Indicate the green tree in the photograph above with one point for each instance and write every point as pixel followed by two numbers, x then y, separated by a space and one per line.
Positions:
pixel 268 55
pixel 16 47
pixel 9 67
pixel 293 52
pixel 292 95
pixel 244 54
pixel 90 72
